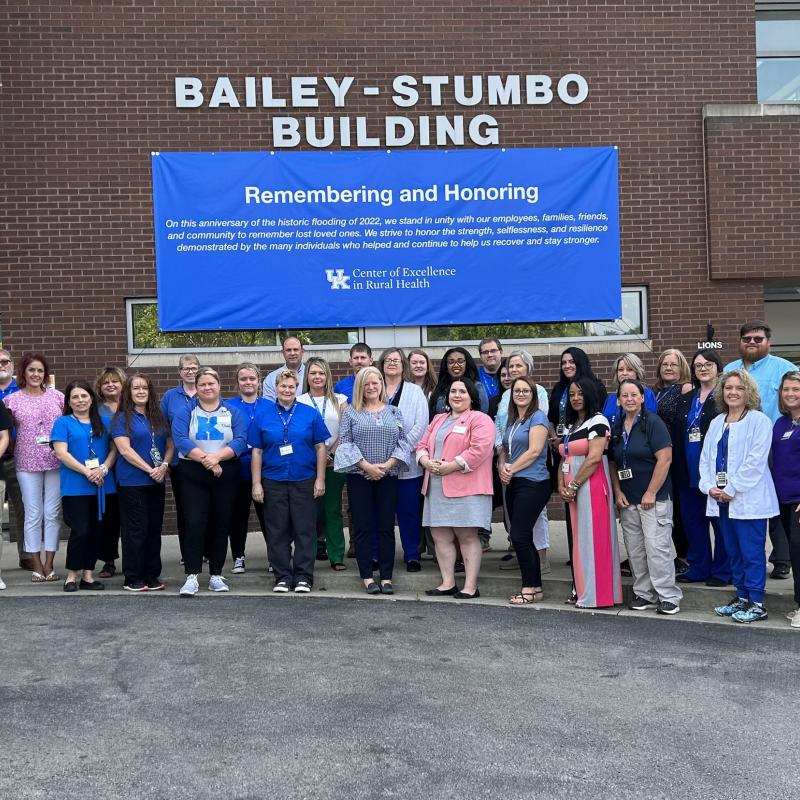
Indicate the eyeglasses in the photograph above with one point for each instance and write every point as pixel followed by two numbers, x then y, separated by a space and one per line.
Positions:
pixel 459 362
pixel 395 361
pixel 189 369
pixel 700 367
pixel 522 392
pixel 5 362
pixel 490 352
pixel 753 339
pixel 671 364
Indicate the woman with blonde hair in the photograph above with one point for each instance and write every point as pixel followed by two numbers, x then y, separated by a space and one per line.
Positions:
pixel 735 474
pixel 628 366
pixel 318 393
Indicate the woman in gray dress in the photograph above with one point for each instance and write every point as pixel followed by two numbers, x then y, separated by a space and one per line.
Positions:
pixel 456 454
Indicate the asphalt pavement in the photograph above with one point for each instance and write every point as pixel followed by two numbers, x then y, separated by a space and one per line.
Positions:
pixel 242 697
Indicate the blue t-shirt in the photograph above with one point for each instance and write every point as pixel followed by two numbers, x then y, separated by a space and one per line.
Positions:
pixel 142 439
pixel 637 452
pixel 490 382
pixel 301 427
pixel 520 431
pixel 81 445
pixel 612 411
pixel 345 387
pixel 248 412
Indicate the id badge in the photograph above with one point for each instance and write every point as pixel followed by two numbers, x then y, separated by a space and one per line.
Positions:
pixel 560 430
pixel 155 455
pixel 624 474
pixel 92 463
pixel 694 435
pixel 43 439
pixel 565 468
pixel 722 480
pixel 459 428
pixel 286 450
pixel 787 435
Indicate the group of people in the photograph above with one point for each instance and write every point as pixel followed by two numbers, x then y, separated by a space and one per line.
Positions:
pixel 694 469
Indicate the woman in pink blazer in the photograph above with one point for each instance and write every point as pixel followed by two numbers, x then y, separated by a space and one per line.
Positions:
pixel 456 454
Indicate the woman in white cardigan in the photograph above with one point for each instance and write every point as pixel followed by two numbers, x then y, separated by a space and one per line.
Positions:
pixel 734 473
pixel 410 399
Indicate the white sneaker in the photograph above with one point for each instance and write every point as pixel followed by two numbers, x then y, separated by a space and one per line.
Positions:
pixel 191 587
pixel 2 584
pixel 795 623
pixel 238 566
pixel 792 614
pixel 216 583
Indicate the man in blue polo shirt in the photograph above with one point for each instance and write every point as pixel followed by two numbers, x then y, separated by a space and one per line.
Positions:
pixel 491 354
pixel 16 511
pixel 360 357
pixel 767 371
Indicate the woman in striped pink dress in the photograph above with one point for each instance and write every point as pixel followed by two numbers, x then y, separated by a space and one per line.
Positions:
pixel 584 483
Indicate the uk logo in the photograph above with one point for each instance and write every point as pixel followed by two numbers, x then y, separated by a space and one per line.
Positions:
pixel 337 278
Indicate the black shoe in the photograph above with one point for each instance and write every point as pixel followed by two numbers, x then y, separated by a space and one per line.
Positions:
pixel 441 592
pixel 94 586
pixel 413 566
pixel 465 596
pixel 640 604
pixel 322 554
pixel 681 566
pixel 459 567
pixel 387 588
pixel 134 586
pixel 372 588
pixel 717 582
pixel 70 586
pixel 351 552
pixel 625 568
pixel 780 572
pixel 665 607
pixel 155 584
pixel 683 578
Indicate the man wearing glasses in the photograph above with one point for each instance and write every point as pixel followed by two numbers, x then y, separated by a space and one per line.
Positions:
pixel 16 511
pixel 491 353
pixel 767 371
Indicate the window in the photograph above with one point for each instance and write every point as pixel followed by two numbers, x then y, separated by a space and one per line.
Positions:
pixel 778 54
pixel 632 325
pixel 144 334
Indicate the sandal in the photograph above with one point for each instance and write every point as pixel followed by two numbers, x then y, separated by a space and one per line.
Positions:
pixel 37 577
pixel 525 598
pixel 572 600
pixel 338 566
pixel 51 577
pixel 108 571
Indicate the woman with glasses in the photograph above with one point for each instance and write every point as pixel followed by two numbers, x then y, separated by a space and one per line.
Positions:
pixel 108 388
pixel 627 367
pixel 734 473
pixel 689 428
pixel 786 472
pixel 456 364
pixel 409 399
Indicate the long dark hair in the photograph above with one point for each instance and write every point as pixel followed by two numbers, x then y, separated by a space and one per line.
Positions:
pixel 443 383
pixel 533 406
pixel 591 400
pixel 98 429
pixel 583 369
pixel 472 391
pixel 152 410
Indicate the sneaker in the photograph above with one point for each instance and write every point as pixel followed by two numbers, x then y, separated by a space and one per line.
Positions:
pixel 134 586
pixel 191 587
pixel 238 566
pixel 728 610
pixel 155 585
pixel 302 587
pixel 509 561
pixel 216 583
pixel 2 584
pixel 640 604
pixel 795 623
pixel 792 614
pixel 322 554
pixel 681 566
pixel 281 587
pixel 753 613
pixel 665 607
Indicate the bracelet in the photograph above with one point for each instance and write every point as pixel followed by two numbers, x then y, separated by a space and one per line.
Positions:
pixel 104 469
pixel 573 486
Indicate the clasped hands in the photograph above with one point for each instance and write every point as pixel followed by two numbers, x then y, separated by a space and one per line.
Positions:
pixel 438 467
pixel 211 462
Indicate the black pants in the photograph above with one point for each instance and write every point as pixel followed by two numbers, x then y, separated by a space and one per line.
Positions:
pixel 790 520
pixel 779 537
pixel 292 519
pixel 241 518
pixel 208 512
pixel 177 494
pixel 141 516
pixel 109 531
pixel 679 538
pixel 373 500
pixel 80 516
pixel 525 500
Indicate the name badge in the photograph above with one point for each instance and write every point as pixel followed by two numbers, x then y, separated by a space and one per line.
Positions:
pixel 722 480
pixel 92 463
pixel 42 440
pixel 459 428
pixel 694 435
pixel 565 468
pixel 560 429
pixel 286 450
pixel 155 456
pixel 787 435
pixel 625 474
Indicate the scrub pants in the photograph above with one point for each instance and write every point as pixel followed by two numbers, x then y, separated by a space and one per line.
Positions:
pixel 695 522
pixel 745 540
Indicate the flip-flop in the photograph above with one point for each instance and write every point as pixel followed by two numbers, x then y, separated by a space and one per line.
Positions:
pixel 338 566
pixel 37 577
pixel 51 577
pixel 108 571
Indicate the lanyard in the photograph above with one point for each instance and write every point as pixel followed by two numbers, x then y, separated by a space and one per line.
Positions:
pixel 626 437
pixel 725 438
pixel 697 411
pixel 89 435
pixel 511 432
pixel 324 406
pixel 562 404
pixel 247 410
pixel 565 441
pixel 286 421
pixel 666 392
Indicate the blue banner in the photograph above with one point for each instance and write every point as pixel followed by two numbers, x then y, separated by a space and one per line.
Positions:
pixel 347 239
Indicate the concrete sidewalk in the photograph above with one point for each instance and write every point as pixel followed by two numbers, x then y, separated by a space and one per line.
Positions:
pixel 496 585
